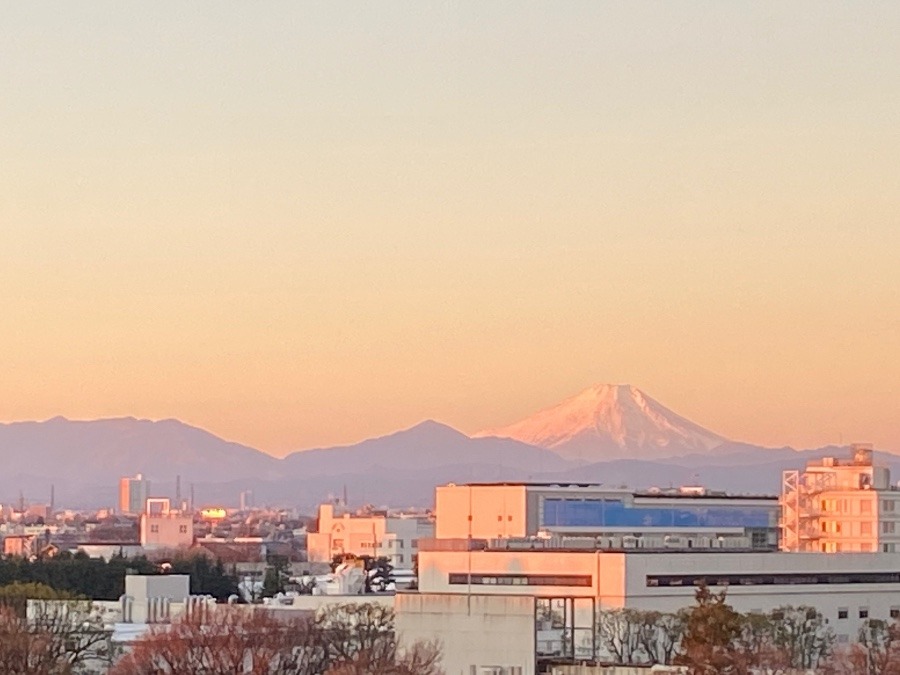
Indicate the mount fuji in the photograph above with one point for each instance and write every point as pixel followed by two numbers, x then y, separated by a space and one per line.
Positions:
pixel 613 421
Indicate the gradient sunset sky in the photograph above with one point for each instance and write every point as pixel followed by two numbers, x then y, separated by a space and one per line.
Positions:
pixel 301 224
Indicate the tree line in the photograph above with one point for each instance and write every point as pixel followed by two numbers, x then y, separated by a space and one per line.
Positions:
pixel 65 635
pixel 99 579
pixel 712 638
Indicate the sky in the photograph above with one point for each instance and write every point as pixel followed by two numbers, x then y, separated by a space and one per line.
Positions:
pixel 303 224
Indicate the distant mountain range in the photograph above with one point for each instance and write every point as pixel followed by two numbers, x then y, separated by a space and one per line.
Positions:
pixel 610 434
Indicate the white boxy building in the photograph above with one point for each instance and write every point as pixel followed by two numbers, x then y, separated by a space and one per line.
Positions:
pixel 538 606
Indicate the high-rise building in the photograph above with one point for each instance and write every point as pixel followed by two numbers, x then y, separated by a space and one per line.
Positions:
pixel 840 505
pixel 133 494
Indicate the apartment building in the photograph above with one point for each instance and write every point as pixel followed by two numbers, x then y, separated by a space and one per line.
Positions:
pixel 840 505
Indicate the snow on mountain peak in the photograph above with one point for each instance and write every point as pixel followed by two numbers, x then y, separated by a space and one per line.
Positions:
pixel 609 421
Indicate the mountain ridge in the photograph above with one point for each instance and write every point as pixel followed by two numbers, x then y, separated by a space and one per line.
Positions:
pixel 611 421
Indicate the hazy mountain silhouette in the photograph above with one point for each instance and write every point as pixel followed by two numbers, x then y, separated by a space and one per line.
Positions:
pixel 632 440
pixel 85 459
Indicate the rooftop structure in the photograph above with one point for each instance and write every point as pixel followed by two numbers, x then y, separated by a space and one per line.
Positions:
pixel 613 518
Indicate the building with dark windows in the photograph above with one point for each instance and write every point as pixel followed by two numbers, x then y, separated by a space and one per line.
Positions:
pixel 550 596
pixel 609 518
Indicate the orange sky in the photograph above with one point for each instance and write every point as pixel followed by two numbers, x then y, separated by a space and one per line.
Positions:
pixel 310 226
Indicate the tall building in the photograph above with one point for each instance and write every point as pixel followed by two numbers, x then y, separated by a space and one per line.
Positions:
pixel 840 505
pixel 133 494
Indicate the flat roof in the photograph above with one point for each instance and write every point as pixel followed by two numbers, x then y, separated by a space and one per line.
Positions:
pixel 664 493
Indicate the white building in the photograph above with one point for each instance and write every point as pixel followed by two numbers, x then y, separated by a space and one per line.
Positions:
pixel 495 608
pixel 837 505
pixel 373 533
pixel 162 527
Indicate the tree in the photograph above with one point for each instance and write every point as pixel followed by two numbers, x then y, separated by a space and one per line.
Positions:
pixel 621 634
pixel 421 658
pixel 876 652
pixel 712 628
pixel 276 576
pixel 660 635
pixel 52 636
pixel 802 635
pixel 231 639
pixel 340 640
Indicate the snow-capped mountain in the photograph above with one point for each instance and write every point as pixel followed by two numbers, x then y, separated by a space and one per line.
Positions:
pixel 611 421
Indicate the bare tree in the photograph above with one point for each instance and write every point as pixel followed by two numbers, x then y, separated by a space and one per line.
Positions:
pixel 421 658
pixel 802 634
pixel 228 640
pixel 342 639
pixel 620 632
pixel 659 635
pixel 876 652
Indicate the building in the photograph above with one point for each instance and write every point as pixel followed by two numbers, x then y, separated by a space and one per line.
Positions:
pixel 374 533
pixel 684 517
pixel 163 527
pixel 133 493
pixel 840 505
pixel 516 611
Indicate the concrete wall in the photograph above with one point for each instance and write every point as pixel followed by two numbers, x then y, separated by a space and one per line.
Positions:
pixel 167 530
pixel 479 630
pixel 497 511
pixel 605 570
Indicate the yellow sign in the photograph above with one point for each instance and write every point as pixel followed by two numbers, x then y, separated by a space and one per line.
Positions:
pixel 214 513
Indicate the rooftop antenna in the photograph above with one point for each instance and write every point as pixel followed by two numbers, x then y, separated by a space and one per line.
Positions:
pixel 178 490
pixel 345 495
pixel 192 497
pixel 52 497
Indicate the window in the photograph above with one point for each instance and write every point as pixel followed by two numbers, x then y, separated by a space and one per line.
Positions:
pixel 154 529
pixel 865 506
pixel 863 612
pixel 888 505
pixel 457 579
pixel 887 528
pixel 415 543
pixel 843 613
pixel 895 612
pixel 865 529
pixel 784 579
pixel 182 529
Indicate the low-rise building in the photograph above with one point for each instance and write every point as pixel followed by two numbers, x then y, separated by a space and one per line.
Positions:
pixel 541 606
pixel 162 527
pixel 373 533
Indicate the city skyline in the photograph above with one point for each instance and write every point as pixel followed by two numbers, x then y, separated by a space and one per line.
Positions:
pixel 312 225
